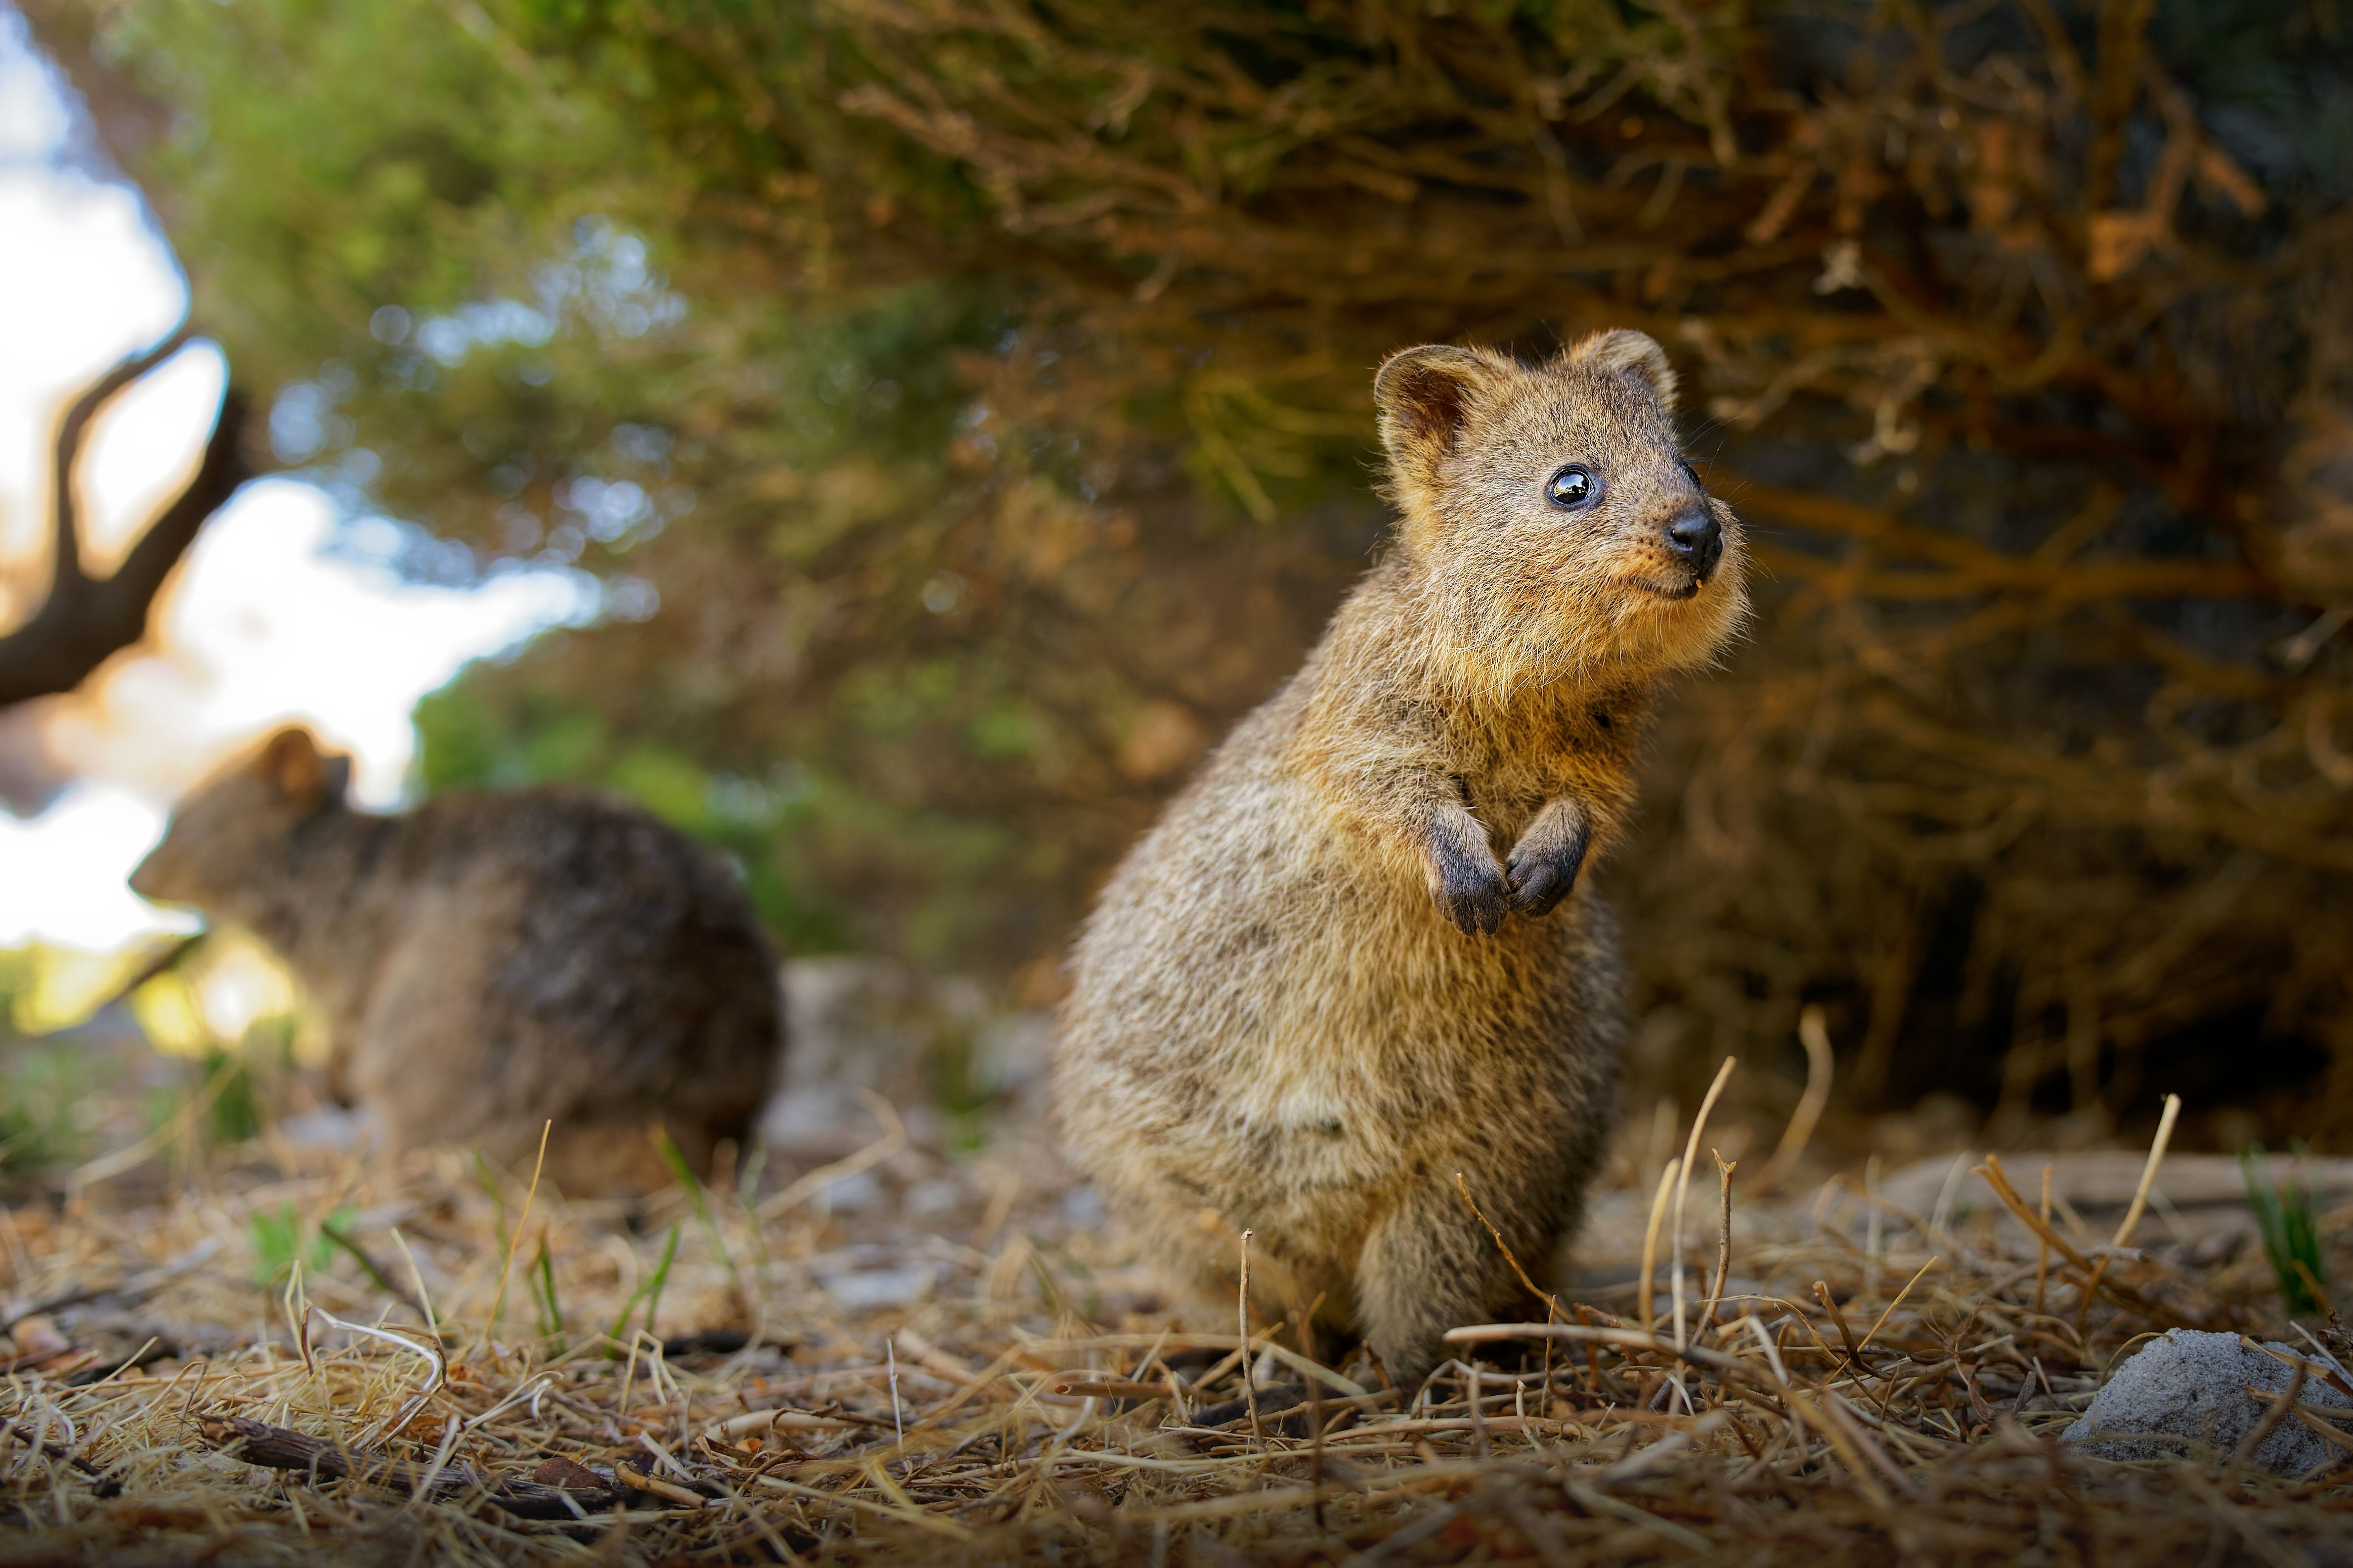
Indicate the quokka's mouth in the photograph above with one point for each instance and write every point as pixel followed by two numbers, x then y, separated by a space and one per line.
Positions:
pixel 1686 591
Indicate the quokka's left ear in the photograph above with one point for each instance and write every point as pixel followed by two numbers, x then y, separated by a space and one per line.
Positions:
pixel 1636 355
pixel 303 773
pixel 1424 397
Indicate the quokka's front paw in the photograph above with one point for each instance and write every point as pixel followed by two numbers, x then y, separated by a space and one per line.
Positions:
pixel 1543 864
pixel 1470 888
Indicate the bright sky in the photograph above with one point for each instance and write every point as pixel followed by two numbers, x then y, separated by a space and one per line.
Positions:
pixel 283 611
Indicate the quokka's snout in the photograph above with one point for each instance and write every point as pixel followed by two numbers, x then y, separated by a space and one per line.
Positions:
pixel 1696 540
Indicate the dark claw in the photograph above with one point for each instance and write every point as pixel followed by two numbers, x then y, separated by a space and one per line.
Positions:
pixel 1536 889
pixel 1472 895
pixel 1541 878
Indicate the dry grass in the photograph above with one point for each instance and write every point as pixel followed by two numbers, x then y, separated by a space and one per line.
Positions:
pixel 995 1382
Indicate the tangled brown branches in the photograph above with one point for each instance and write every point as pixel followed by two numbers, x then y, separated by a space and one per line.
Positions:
pixel 2035 387
pixel 2016 334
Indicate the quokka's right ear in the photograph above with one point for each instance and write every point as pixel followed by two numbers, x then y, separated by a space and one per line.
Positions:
pixel 291 761
pixel 1424 397
pixel 1633 354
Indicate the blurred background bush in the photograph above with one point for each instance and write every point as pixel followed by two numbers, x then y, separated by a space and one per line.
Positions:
pixel 967 407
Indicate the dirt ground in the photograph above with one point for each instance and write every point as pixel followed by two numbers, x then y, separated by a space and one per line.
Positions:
pixel 932 1347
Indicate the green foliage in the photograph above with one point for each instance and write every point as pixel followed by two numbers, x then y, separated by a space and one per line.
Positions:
pixel 235 1114
pixel 885 654
pixel 18 977
pixel 45 988
pixel 967 408
pixel 543 1296
pixel 649 1292
pixel 487 1180
pixel 698 1201
pixel 469 739
pixel 656 1281
pixel 332 1231
pixel 236 1088
pixel 42 1086
pixel 2286 1220
pixel 280 1239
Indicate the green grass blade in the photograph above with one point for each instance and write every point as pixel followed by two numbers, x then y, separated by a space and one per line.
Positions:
pixel 2290 1230
pixel 542 1280
pixel 661 1277
pixel 696 1198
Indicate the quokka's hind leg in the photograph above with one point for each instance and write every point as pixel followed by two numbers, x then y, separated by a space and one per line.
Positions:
pixel 1427 1267
pixel 1291 1305
pixel 1197 1255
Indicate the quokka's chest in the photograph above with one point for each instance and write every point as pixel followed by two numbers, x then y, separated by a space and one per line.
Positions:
pixel 1510 767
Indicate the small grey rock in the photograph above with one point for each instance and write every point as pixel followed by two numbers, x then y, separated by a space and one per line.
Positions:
pixel 878 1289
pixel 2192 1385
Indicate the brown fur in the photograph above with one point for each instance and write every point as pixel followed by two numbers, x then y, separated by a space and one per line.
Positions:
pixel 490 961
pixel 1300 1006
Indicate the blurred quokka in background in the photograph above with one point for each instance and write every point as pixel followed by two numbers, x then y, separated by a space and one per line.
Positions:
pixel 488 963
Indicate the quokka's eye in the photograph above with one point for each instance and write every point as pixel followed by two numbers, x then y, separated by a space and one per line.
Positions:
pixel 1572 488
pixel 1697 483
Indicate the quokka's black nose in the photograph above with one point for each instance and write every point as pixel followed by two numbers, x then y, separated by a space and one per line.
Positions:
pixel 1696 541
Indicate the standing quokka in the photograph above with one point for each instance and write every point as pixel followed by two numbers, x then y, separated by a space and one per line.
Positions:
pixel 489 962
pixel 1353 959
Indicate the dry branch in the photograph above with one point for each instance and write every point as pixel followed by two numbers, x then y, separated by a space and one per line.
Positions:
pixel 84 620
pixel 282 1448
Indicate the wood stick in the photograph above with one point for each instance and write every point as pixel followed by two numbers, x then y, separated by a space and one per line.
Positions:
pixel 83 620
pixel 1881 1320
pixel 1545 1296
pixel 2123 1296
pixel 1813 1033
pixel 2042 1248
pixel 1651 1244
pixel 1241 1330
pixel 1683 1183
pixel 102 1484
pixel 280 1448
pixel 1722 1235
pixel 2140 1199
pixel 2149 1172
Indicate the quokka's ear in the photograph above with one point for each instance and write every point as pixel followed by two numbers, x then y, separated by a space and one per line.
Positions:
pixel 291 760
pixel 1636 355
pixel 1424 397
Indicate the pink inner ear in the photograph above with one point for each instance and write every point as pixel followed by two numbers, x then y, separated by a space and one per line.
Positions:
pixel 1428 402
